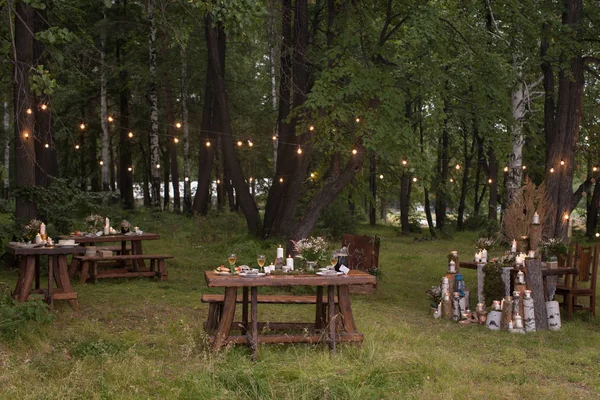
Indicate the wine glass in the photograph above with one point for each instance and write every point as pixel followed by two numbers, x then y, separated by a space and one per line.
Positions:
pixel 232 258
pixel 333 259
pixel 261 259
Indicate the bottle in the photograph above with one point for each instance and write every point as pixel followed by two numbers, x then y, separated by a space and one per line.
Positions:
pixel 459 285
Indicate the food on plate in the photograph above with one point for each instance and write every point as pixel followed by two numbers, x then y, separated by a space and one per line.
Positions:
pixel 221 268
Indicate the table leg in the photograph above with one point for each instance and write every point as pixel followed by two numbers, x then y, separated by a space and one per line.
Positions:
pixel 85 271
pixel 63 281
pixel 245 311
pixel 73 267
pixel 545 283
pixel 226 318
pixel 37 272
pixel 136 248
pixel 254 310
pixel 331 309
pixel 50 300
pixel 26 278
pixel 346 308
pixel 21 264
pixel 319 311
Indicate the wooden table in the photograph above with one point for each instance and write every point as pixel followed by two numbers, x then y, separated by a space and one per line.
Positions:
pixel 232 283
pixel 57 273
pixel 136 244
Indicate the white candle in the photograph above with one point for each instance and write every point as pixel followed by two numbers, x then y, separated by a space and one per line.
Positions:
pixel 484 255
pixel 38 239
pixel 279 252
pixel 106 222
pixel 531 253
pixel 536 218
pixel 289 262
pixel 518 322
pixel 513 249
pixel 42 229
pixel 452 267
pixel 520 278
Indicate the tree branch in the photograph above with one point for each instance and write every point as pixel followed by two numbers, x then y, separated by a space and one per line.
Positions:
pixel 584 187
pixel 459 34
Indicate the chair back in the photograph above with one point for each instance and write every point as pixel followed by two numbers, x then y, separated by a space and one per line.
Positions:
pixel 594 269
pixel 363 251
pixel 585 261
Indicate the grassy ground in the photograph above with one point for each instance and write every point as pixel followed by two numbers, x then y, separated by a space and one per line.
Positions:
pixel 144 339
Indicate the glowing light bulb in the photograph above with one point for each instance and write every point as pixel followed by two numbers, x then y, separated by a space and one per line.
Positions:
pixel 597 234
pixel 552 170
pixel 26 135
pixel 250 179
pixel 562 162
pixel 354 151
pixel 186 179
pixel 414 179
pixel 312 174
pixel 129 169
pixel 357 120
pixel 457 166
pixel 110 119
pixel 280 180
pixel 157 166
pixel 311 128
pixel 404 162
pixel 44 107
pixel 505 169
pixel 239 143
pixel 524 167
pixel 218 181
pixel 207 144
pixel 490 180
pixel 76 147
pixel 566 216
pixel 130 134
pixel 595 169
pixel 380 176
pixel 101 162
pixel 175 140
pixel 250 144
pixel 82 126
pixel 274 137
pixel 28 111
pixel 451 180
pixel 299 151
pixel 46 145
pixel 178 125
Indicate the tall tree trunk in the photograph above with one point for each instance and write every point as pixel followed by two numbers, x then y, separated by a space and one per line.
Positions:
pixel 25 209
pixel 493 184
pixel 126 167
pixel 274 42
pixel 425 189
pixel 405 189
pixel 6 159
pixel 187 179
pixel 173 137
pixel 465 180
pixel 166 170
pixel 153 97
pixel 246 201
pixel 104 110
pixel 372 189
pixel 442 172
pixel 515 164
pixel 562 116
pixel 592 213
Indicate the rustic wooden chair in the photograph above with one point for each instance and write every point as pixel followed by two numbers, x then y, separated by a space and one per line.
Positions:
pixel 363 255
pixel 583 284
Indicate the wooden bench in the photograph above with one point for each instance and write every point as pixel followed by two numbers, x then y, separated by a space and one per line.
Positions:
pixel 216 302
pixel 117 249
pixel 89 266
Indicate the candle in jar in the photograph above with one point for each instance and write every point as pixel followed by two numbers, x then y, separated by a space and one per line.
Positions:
pixel 279 252
pixel 536 218
pixel 289 261
pixel 42 229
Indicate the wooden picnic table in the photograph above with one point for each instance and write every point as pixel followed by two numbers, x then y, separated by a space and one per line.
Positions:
pixel 231 283
pixel 136 245
pixel 28 260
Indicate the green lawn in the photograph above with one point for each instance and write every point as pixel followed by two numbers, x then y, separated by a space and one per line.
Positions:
pixel 144 339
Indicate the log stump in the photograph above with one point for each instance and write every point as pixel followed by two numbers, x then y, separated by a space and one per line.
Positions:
pixel 535 283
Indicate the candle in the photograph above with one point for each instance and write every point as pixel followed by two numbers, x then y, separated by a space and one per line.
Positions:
pixel 536 218
pixel 518 322
pixel 510 325
pixel 452 267
pixel 531 253
pixel 42 229
pixel 289 262
pixel 513 248
pixel 38 239
pixel 528 294
pixel 484 255
pixel 279 252
pixel 106 223
pixel 520 278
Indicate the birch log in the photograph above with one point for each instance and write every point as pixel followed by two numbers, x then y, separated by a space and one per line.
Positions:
pixel 494 319
pixel 507 308
pixel 529 314
pixel 153 97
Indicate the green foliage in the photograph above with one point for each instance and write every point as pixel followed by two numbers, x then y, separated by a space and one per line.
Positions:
pixel 41 81
pixel 15 315
pixel 493 285
pixel 337 219
pixel 97 348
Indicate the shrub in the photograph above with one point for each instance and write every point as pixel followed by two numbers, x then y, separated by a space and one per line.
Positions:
pixel 13 315
pixel 337 219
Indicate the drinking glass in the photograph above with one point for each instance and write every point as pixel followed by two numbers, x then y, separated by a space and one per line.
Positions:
pixel 333 259
pixel 261 259
pixel 232 258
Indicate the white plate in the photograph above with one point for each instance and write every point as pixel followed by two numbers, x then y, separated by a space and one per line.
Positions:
pixel 222 273
pixel 323 269
pixel 336 274
pixel 65 245
pixel 252 275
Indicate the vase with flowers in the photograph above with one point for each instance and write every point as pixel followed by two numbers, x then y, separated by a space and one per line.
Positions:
pixel 311 249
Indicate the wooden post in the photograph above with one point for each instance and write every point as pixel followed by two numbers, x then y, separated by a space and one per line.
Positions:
pixel 451 278
pixel 535 283
pixel 507 309
pixel 535 236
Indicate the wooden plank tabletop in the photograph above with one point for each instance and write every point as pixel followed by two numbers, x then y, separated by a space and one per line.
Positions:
pixel 110 238
pixel 43 251
pixel 354 277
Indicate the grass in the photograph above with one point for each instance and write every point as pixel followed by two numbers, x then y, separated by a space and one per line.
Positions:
pixel 144 339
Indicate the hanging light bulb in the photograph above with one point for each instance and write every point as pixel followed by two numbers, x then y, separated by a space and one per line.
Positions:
pixel 274 137
pixel 595 169
pixel 250 179
pixel 457 166
pixel 597 234
pixel 404 162
pixel 354 151
pixel 110 119
pixel 76 147
pixel 46 145
pixel 311 128
pixel 250 144
pixel 566 216
pixel 178 125
pixel 490 181
pixel 451 180
pixel 357 120
pixel 44 107
pixel 29 111
pixel 280 180
pixel 524 167
pixel 175 140
pixel 505 169
pixel 82 126
pixel 380 176
pixel 562 162
pixel 101 162
pixel 299 151
pixel 186 179
pixel 130 134
pixel 207 144
pixel 552 170
pixel 239 143
pixel 129 169
pixel 312 174
pixel 26 135
pixel 218 181
pixel 415 179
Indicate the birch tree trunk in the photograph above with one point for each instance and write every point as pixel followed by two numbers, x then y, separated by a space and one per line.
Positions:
pixel 104 112
pixel 187 190
pixel 25 209
pixel 125 165
pixel 153 97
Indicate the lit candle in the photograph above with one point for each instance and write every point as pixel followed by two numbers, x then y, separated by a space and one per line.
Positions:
pixel 106 222
pixel 484 255
pixel 513 249
pixel 520 278
pixel 452 267
pixel 531 253
pixel 42 229
pixel 279 252
pixel 289 261
pixel 536 218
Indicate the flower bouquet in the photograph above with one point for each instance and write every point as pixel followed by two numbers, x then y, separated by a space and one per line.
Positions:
pixel 311 249
pixel 31 229
pixel 95 222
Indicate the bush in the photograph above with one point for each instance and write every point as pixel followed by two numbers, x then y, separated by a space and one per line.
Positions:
pixel 14 315
pixel 337 219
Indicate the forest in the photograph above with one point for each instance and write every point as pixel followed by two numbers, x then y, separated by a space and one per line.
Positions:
pixel 292 111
